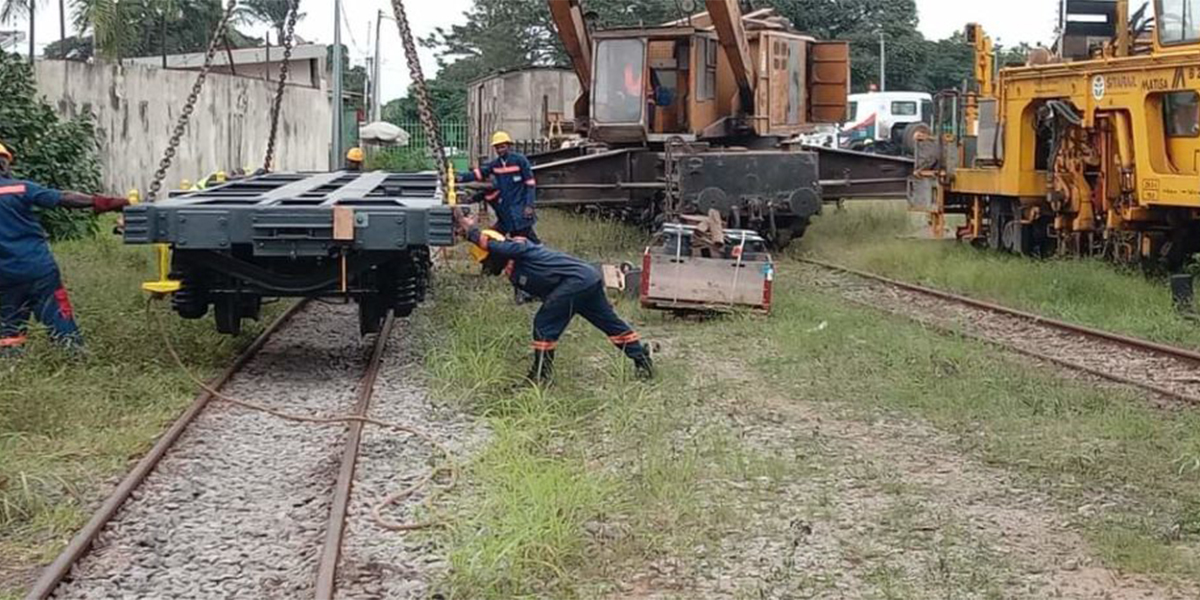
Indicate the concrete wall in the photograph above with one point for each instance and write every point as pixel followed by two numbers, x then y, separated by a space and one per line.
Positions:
pixel 514 102
pixel 136 108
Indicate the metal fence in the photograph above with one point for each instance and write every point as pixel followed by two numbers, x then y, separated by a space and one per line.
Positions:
pixel 417 154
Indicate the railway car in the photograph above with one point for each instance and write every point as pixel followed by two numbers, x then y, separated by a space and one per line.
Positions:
pixel 1091 150
pixel 534 105
pixel 362 236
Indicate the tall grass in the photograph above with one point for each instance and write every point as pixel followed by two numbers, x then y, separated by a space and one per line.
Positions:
pixel 69 423
pixel 879 237
pixel 596 451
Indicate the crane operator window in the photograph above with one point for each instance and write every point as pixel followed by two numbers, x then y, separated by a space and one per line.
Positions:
pixel 1178 21
pixel 620 88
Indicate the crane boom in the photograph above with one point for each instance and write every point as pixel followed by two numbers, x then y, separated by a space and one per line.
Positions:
pixel 572 30
pixel 726 16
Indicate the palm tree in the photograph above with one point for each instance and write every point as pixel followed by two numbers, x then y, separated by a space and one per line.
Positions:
pixel 270 12
pixel 18 8
pixel 113 23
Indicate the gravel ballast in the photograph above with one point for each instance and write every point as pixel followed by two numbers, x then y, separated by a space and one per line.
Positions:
pixel 238 507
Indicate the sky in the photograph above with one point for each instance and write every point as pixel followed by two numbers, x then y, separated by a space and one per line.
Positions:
pixel 1009 22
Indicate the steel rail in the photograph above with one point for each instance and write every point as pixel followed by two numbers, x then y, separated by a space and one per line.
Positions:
pixel 79 545
pixel 331 553
pixel 1089 332
pixel 1173 351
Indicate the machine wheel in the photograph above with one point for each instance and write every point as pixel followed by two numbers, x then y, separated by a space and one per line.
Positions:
pixel 228 315
pixel 371 312
pixel 799 226
pixel 997 219
pixel 191 301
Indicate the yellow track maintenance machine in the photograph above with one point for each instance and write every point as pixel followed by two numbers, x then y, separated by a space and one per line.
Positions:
pixel 1086 151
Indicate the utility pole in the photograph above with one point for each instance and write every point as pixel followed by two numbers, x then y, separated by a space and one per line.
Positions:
pixel 376 71
pixel 335 159
pixel 369 80
pixel 882 62
pixel 32 23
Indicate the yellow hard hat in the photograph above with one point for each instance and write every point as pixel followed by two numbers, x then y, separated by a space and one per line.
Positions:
pixel 4 152
pixel 480 252
pixel 501 137
pixel 355 155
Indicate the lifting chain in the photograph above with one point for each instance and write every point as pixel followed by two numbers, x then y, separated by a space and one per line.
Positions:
pixel 287 41
pixel 190 105
pixel 432 131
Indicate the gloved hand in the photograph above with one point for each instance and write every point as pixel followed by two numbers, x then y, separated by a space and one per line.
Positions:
pixel 103 204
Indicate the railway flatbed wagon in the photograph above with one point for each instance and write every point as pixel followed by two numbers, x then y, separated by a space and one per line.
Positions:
pixel 363 236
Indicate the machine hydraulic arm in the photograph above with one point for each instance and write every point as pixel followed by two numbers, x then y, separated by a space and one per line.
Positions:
pixel 726 17
pixel 572 30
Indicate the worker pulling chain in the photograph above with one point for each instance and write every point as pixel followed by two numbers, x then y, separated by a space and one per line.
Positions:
pixel 424 108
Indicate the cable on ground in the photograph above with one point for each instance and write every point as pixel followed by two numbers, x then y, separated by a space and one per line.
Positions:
pixel 377 516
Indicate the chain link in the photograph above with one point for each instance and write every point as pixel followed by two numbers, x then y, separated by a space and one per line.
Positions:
pixel 190 105
pixel 277 102
pixel 432 130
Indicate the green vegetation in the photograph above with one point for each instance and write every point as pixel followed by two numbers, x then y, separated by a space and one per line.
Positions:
pixel 755 425
pixel 592 474
pixel 1078 442
pixel 69 424
pixel 880 237
pixel 584 484
pixel 52 152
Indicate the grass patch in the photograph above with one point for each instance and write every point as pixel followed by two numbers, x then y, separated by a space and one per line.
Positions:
pixel 1082 443
pixel 879 237
pixel 590 478
pixel 654 464
pixel 68 425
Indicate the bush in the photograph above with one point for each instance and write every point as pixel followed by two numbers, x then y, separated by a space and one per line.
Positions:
pixel 49 151
pixel 399 160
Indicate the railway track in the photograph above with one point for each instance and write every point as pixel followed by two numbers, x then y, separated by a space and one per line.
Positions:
pixel 240 502
pixel 1168 372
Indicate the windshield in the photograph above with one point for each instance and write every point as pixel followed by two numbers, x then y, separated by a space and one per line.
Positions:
pixel 619 92
pixel 1177 21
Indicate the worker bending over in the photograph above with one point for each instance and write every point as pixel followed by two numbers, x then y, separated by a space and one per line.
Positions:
pixel 30 284
pixel 354 160
pixel 513 195
pixel 566 286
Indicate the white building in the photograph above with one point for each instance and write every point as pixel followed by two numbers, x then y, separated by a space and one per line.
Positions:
pixel 305 68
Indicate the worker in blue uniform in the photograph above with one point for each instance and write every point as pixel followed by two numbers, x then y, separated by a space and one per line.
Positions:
pixel 566 286
pixel 30 284
pixel 513 189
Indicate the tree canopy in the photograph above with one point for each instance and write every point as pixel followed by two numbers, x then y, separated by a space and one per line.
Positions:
pixel 149 27
pixel 53 152
pixel 506 34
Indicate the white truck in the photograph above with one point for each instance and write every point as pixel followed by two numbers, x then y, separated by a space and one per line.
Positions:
pixel 876 121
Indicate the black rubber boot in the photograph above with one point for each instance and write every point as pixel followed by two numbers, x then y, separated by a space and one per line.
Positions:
pixel 542 369
pixel 644 367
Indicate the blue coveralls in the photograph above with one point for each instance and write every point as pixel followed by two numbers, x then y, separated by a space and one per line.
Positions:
pixel 566 286
pixel 513 196
pixel 30 284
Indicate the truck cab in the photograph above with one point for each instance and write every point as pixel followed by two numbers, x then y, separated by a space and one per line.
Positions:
pixel 876 120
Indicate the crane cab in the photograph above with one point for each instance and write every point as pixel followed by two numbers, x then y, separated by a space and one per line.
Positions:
pixel 650 84
pixel 1177 26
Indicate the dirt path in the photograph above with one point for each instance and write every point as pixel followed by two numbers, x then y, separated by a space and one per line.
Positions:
pixel 889 508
